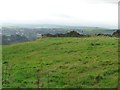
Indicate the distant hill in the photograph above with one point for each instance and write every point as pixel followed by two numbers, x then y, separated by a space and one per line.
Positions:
pixel 53 29
pixel 51 26
pixel 69 34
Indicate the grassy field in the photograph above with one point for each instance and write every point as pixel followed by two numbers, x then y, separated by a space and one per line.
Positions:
pixel 90 62
pixel 0 66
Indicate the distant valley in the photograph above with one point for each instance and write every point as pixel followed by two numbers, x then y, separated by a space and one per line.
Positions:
pixel 31 32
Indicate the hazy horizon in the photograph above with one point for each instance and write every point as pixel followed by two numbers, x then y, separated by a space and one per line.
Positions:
pixel 47 24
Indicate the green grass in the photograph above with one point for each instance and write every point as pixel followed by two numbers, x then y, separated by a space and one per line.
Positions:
pixel 90 62
pixel 0 66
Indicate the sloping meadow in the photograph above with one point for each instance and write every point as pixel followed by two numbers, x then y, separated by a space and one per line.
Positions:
pixel 90 62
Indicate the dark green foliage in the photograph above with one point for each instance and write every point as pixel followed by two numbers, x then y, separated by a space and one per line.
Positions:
pixel 13 39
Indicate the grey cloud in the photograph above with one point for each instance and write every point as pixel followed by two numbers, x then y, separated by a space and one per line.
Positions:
pixel 103 1
pixel 111 1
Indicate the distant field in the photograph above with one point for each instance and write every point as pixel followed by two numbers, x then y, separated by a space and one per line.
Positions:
pixel 90 62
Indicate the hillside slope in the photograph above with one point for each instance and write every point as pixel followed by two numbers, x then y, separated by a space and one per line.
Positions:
pixel 90 62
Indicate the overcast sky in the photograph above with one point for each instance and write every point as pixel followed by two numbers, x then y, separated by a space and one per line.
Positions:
pixel 98 13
